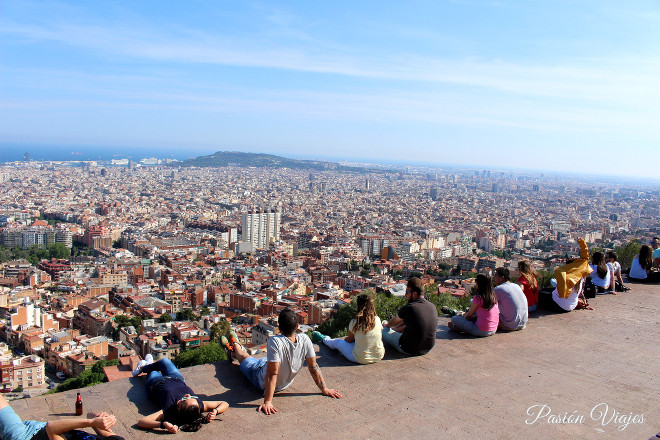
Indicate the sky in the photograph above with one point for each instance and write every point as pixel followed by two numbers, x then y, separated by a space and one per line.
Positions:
pixel 556 85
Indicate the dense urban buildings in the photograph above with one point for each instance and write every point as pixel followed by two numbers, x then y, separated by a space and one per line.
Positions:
pixel 157 256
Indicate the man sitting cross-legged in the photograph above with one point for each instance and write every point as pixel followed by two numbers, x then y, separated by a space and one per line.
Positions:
pixel 286 354
pixel 181 409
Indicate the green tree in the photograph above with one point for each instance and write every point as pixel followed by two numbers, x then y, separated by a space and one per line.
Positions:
pixel 165 317
pixel 444 266
pixel 125 321
pixel 544 278
pixel 205 311
pixel 186 315
pixel 87 378
pixel 206 354
pixel 5 254
pixel 628 252
pixel 59 251
pixel 37 253
pixel 220 328
pixel 80 249
pixel 449 300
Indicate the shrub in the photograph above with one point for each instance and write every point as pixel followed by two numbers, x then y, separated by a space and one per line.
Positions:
pixel 87 378
pixel 628 252
pixel 206 354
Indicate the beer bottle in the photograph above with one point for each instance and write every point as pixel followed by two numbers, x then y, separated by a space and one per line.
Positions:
pixel 79 408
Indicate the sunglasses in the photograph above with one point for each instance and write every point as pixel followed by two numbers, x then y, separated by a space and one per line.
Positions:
pixel 187 397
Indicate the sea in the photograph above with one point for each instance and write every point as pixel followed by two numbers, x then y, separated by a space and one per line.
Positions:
pixel 39 152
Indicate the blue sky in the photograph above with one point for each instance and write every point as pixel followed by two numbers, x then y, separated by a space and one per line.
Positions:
pixel 572 85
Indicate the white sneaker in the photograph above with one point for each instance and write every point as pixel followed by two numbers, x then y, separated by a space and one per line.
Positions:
pixel 149 358
pixel 138 369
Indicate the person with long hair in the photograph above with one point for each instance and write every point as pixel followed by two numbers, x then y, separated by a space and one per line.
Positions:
pixel 484 314
pixel 601 276
pixel 642 265
pixel 529 283
pixel 181 409
pixel 364 343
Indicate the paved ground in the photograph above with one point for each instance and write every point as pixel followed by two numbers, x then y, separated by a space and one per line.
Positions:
pixel 581 364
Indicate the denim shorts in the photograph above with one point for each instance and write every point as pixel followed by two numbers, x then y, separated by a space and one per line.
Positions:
pixel 11 426
pixel 255 370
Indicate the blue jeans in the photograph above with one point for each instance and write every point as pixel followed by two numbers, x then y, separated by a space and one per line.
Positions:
pixel 255 370
pixel 391 338
pixel 160 370
pixel 468 326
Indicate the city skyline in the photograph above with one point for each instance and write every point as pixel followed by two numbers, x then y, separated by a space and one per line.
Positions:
pixel 556 86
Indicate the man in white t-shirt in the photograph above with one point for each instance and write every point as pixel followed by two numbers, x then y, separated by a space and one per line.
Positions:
pixel 286 354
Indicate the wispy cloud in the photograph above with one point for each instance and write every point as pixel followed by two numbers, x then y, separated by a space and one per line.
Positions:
pixel 581 79
pixel 283 68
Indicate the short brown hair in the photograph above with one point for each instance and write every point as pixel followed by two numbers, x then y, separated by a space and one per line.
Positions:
pixel 415 285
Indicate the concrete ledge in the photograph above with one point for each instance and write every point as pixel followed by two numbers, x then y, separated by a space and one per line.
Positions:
pixel 465 388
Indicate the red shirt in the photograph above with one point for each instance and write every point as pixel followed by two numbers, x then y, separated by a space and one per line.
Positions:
pixel 531 293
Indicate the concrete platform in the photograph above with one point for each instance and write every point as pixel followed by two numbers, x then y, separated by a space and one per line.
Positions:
pixel 581 364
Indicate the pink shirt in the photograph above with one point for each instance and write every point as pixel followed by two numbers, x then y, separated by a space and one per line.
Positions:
pixel 487 320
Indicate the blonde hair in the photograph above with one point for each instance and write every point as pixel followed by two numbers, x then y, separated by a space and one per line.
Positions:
pixel 365 319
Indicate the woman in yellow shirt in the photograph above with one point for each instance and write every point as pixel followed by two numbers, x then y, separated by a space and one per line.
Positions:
pixel 364 343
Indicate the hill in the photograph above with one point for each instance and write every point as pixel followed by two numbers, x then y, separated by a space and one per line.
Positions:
pixel 239 159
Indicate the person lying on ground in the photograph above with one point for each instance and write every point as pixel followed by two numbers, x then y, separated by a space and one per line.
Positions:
pixel 181 409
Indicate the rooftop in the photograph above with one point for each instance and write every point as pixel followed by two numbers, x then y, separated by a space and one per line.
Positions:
pixel 577 364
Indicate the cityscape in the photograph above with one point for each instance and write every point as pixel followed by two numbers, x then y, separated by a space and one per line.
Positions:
pixel 448 213
pixel 123 259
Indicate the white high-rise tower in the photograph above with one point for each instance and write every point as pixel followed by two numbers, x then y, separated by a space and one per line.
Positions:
pixel 261 227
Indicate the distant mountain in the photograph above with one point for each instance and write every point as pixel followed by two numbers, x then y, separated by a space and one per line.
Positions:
pixel 238 159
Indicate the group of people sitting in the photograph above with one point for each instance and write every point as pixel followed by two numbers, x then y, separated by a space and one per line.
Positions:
pixel 506 307
pixel 412 332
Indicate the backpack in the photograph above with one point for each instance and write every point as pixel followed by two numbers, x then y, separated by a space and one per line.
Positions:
pixel 589 288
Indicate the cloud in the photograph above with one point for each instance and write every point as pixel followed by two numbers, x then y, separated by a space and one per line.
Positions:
pixel 599 80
